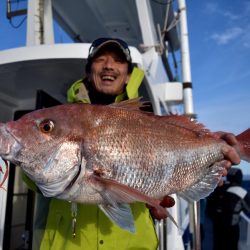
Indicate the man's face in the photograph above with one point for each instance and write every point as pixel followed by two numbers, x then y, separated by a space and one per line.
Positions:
pixel 109 72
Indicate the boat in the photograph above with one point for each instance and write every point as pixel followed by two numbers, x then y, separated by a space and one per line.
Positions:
pixel 38 75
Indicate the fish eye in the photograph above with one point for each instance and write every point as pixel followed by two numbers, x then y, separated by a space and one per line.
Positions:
pixel 46 126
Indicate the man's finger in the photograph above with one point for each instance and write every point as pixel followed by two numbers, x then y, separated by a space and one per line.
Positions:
pixel 167 201
pixel 231 155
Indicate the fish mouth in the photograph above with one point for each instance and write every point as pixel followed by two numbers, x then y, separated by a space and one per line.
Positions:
pixel 9 144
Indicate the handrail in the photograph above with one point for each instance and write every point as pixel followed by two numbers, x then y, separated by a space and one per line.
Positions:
pixel 245 217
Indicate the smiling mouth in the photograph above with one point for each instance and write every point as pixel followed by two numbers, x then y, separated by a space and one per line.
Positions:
pixel 108 78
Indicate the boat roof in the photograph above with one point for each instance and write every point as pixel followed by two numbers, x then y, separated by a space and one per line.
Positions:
pixel 84 21
pixel 53 68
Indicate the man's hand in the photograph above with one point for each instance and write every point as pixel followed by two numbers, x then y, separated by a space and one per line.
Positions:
pixel 167 201
pixel 231 158
pixel 230 153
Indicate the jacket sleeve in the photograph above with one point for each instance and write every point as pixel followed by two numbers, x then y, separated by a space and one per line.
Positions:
pixel 132 88
pixel 78 93
pixel 31 185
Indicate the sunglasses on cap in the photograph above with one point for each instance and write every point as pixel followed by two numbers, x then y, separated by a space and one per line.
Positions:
pixel 98 43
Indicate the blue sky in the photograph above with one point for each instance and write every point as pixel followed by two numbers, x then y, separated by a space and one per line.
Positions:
pixel 13 34
pixel 11 37
pixel 219 33
pixel 219 37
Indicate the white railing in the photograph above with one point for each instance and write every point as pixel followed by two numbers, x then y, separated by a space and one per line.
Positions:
pixel 244 242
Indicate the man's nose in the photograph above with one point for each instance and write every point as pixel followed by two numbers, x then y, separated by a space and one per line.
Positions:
pixel 109 62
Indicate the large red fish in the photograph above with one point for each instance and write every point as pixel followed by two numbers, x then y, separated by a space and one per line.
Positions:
pixel 114 155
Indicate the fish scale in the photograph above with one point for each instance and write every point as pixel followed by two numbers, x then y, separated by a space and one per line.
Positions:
pixel 131 156
pixel 114 155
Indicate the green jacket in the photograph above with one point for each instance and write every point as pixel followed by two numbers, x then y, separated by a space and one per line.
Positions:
pixel 93 229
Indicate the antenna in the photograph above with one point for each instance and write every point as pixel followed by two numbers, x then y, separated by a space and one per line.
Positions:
pixel 11 13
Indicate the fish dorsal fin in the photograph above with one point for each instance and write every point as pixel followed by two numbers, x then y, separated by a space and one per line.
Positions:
pixel 134 104
pixel 186 122
pixel 182 121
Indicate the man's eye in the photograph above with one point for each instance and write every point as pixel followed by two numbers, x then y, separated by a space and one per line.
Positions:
pixel 119 60
pixel 99 59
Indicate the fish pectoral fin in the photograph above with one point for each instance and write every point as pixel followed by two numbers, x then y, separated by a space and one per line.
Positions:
pixel 120 214
pixel 116 193
pixel 202 188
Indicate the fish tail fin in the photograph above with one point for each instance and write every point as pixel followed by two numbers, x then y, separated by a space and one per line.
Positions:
pixel 244 149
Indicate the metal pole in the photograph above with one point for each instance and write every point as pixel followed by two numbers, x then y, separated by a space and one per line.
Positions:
pixel 39 23
pixel 34 34
pixel 148 29
pixel 48 23
pixel 189 110
pixel 149 38
pixel 186 71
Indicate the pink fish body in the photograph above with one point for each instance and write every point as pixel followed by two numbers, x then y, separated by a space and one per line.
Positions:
pixel 114 155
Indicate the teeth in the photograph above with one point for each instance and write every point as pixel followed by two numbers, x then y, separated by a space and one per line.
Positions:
pixel 111 78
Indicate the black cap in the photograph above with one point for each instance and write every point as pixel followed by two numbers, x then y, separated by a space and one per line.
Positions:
pixel 100 43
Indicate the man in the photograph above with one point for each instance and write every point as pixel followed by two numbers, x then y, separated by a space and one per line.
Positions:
pixel 110 77
pixel 224 207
